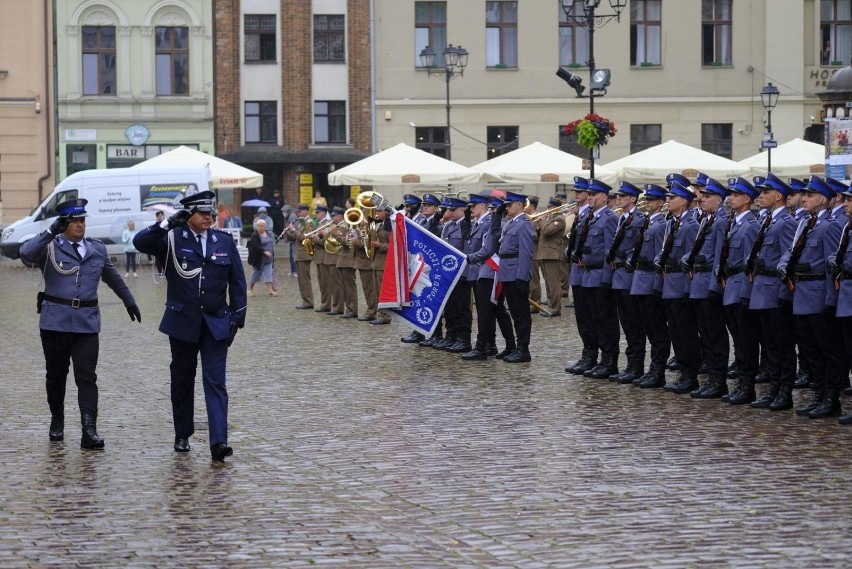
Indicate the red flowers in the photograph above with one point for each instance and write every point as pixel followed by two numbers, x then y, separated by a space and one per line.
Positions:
pixel 591 131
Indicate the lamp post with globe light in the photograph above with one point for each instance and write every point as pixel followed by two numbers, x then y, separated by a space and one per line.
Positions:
pixel 599 78
pixel 455 60
pixel 769 98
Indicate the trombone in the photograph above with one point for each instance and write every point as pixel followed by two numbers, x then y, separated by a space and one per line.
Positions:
pixel 554 210
pixel 322 227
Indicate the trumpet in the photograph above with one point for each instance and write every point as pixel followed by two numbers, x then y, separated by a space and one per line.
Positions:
pixel 554 210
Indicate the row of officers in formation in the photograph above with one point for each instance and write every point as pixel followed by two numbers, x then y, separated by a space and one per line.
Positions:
pixel 698 268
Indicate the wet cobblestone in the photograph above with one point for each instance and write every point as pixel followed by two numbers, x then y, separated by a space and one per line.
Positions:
pixel 351 449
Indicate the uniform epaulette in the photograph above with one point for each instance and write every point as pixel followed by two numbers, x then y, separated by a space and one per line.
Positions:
pixel 221 230
pixel 95 239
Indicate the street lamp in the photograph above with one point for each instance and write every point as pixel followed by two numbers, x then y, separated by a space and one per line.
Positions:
pixel 455 60
pixel 769 98
pixel 599 78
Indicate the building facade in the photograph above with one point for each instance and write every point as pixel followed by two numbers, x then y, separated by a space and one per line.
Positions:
pixel 134 79
pixel 689 71
pixel 293 91
pixel 26 114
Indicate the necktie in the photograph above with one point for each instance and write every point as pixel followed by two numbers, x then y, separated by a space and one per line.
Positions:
pixel 77 250
pixel 200 243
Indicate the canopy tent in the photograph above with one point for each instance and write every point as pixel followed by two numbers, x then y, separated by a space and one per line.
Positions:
pixel 403 165
pixel 791 159
pixel 223 174
pixel 538 163
pixel 654 164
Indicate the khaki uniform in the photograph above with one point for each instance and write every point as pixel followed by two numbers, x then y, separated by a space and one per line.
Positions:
pixel 346 270
pixel 303 261
pixel 364 264
pixel 548 253
pixel 383 237
pixel 323 272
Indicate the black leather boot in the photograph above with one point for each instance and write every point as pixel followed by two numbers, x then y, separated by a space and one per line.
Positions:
pixel 656 376
pixel 461 346
pixel 607 367
pixel 803 379
pixel 816 401
pixel 509 349
pixel 784 400
pixel 688 382
pixel 445 343
pixel 413 338
pixel 491 350
pixel 521 355
pixel 90 437
pixel 586 362
pixel 745 393
pixel 830 405
pixel 635 367
pixel 716 387
pixel 477 353
pixel 770 396
pixel 57 427
pixel 673 364
pixel 431 341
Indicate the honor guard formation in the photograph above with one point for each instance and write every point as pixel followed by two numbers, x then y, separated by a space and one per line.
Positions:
pixel 704 272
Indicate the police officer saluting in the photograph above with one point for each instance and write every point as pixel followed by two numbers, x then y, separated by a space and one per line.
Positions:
pixel 70 320
pixel 205 305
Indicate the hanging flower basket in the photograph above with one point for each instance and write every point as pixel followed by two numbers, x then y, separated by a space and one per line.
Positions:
pixel 591 131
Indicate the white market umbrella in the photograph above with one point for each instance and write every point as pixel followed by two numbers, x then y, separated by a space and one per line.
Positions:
pixel 538 163
pixel 223 174
pixel 403 165
pixel 652 165
pixel 255 203
pixel 791 159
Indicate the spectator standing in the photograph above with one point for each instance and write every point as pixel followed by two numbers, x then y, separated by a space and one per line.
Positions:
pixel 129 250
pixel 276 204
pixel 289 218
pixel 261 254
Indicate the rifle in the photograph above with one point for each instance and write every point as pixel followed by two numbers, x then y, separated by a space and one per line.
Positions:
pixel 668 243
pixel 581 240
pixel 703 230
pixel 758 245
pixel 640 240
pixel 722 276
pixel 798 249
pixel 841 253
pixel 619 237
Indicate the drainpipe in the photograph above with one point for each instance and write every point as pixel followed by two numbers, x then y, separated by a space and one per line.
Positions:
pixel 373 76
pixel 48 149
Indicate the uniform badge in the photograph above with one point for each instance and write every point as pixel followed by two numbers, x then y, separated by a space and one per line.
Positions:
pixel 183 265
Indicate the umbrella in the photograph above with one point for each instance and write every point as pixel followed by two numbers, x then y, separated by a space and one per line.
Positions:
pixel 538 163
pixel 255 203
pixel 223 174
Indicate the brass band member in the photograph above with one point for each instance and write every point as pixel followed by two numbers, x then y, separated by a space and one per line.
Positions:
pixel 296 234
pixel 550 229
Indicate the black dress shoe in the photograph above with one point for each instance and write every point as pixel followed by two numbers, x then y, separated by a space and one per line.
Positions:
pixel 332 313
pixel 57 429
pixel 518 356
pixel 181 445
pixel 365 319
pixel 443 344
pixel 460 347
pixel 475 354
pixel 430 342
pixel 219 451
pixel 673 364
pixel 304 306
pixel 347 316
pixel 491 351
pixel 505 353
pixel 379 321
pixel 570 305
pixel 845 419
pixel 551 314
pixel 413 338
pixel 321 309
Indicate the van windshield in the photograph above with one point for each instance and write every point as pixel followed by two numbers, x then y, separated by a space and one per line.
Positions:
pixel 48 210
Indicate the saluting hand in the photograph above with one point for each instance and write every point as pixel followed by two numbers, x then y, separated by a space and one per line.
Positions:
pixel 60 224
pixel 179 218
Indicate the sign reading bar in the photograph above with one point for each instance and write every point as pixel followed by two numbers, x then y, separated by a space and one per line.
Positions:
pixel 126 151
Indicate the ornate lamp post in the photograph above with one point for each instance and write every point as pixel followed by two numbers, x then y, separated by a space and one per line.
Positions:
pixel 455 60
pixel 769 98
pixel 599 78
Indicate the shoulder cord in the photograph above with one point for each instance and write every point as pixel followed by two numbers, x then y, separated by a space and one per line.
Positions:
pixel 51 254
pixel 171 253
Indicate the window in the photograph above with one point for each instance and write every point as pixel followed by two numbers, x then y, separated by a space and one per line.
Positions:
pixel 644 136
pixel 330 122
pixel 645 32
pixel 329 38
pixel 573 39
pixel 501 139
pixel 99 60
pixel 260 38
pixel 432 139
pixel 501 34
pixel 835 31
pixel 430 29
pixel 172 45
pixel 261 122
pixel 570 145
pixel 716 32
pixel 716 138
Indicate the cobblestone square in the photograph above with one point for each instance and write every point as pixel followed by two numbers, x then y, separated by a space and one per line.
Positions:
pixel 352 449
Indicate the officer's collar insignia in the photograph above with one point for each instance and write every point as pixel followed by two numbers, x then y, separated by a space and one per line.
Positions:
pixel 185 234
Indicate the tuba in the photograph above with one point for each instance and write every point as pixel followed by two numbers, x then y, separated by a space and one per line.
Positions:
pixel 354 217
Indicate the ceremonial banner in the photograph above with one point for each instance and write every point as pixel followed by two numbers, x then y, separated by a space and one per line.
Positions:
pixel 420 272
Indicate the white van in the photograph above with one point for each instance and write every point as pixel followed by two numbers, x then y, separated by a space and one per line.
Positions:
pixel 114 196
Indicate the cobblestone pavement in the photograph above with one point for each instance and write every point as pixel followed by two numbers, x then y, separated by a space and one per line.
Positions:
pixel 352 449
